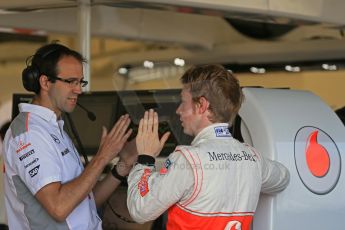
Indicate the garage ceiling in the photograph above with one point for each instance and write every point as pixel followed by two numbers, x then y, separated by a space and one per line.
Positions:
pixel 204 30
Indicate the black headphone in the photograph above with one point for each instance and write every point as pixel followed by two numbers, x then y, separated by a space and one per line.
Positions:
pixel 32 72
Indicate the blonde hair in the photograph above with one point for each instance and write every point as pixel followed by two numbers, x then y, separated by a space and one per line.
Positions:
pixel 220 87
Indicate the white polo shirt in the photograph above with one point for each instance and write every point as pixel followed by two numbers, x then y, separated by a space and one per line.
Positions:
pixel 37 152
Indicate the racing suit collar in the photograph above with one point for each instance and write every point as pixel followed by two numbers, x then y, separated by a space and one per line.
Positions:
pixel 214 131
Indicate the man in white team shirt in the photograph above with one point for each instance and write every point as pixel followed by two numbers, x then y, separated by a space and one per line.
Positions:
pixel 46 185
pixel 214 183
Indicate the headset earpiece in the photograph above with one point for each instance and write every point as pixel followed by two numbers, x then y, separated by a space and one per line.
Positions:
pixel 31 74
pixel 30 78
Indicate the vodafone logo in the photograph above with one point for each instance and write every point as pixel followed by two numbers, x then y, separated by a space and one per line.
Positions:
pixel 317 156
pixel 317 160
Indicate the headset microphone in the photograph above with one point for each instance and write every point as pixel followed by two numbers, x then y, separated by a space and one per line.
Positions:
pixel 90 114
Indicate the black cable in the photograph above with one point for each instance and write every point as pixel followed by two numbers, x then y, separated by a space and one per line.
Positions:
pixel 90 115
pixel 77 138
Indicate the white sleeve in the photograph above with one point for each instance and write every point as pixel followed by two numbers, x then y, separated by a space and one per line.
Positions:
pixel 275 176
pixel 151 193
pixel 37 164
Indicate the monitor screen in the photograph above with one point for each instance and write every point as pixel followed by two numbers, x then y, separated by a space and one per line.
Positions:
pixel 104 109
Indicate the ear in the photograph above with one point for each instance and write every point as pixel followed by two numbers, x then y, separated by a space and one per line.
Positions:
pixel 44 82
pixel 203 105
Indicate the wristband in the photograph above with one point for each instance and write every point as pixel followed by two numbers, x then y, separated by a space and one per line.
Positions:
pixel 146 160
pixel 115 174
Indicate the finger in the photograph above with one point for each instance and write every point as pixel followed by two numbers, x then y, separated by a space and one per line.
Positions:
pixel 123 142
pixel 113 130
pixel 121 126
pixel 150 120
pixel 145 124
pixel 104 134
pixel 155 123
pixel 127 135
pixel 141 127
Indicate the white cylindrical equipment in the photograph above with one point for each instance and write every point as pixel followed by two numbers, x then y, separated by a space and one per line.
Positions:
pixel 299 130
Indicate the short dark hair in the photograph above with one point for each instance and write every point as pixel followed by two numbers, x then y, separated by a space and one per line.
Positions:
pixel 219 86
pixel 47 57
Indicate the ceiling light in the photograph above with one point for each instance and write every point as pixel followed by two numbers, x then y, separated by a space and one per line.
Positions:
pixel 148 64
pixel 329 67
pixel 179 62
pixel 292 68
pixel 123 70
pixel 257 70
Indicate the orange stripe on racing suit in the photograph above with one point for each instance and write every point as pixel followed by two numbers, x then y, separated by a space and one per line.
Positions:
pixel 179 219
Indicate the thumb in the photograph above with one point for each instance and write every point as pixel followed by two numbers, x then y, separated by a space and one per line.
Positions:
pixel 164 139
pixel 104 134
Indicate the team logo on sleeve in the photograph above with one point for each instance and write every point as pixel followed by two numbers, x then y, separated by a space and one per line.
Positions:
pixel 222 131
pixel 22 146
pixel 34 161
pixel 166 166
pixel 143 183
pixel 27 154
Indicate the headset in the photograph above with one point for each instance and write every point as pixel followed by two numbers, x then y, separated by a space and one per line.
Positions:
pixel 32 72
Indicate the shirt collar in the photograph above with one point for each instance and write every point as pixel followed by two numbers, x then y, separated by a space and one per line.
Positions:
pixel 214 131
pixel 38 110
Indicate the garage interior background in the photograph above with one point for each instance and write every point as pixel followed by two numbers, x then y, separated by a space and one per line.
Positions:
pixel 148 45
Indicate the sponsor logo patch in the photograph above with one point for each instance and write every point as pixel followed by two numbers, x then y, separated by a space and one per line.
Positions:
pixel 143 183
pixel 22 146
pixel 25 155
pixel 31 163
pixel 66 151
pixel 166 166
pixel 33 172
pixel 243 156
pixel 317 160
pixel 222 131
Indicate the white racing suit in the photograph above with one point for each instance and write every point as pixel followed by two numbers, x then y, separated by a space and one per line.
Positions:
pixel 213 184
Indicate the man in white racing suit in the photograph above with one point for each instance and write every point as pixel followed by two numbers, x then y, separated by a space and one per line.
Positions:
pixel 213 184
